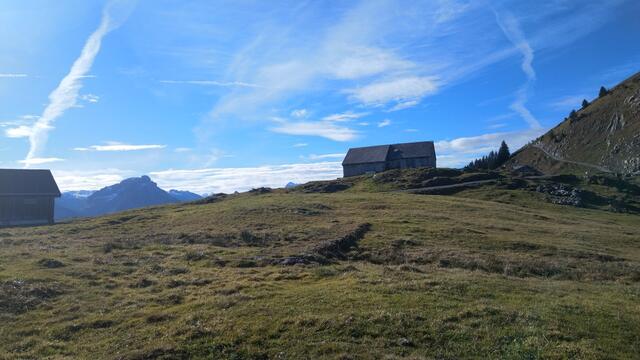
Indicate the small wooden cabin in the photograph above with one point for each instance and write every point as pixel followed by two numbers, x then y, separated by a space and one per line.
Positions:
pixel 373 159
pixel 27 197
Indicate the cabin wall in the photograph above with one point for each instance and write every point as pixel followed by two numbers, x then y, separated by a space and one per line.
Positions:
pixel 361 169
pixel 26 210
pixel 426 161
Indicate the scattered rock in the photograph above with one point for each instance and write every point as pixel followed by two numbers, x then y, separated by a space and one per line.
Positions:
pixel 525 170
pixel 210 199
pixel 101 324
pixel 562 194
pixel 195 255
pixel 294 260
pixel 323 187
pixel 142 283
pixel 260 191
pixel 156 318
pixel 50 263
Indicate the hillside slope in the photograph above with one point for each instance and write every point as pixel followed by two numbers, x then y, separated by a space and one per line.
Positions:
pixel 603 137
pixel 328 271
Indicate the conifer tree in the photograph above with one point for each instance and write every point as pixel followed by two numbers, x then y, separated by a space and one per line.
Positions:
pixel 503 154
pixel 603 91
pixel 491 161
pixel 585 103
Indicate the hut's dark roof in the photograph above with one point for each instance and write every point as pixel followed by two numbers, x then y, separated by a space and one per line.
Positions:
pixel 364 155
pixel 27 182
pixel 382 153
pixel 411 150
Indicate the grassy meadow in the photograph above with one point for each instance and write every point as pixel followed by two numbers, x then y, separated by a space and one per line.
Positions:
pixel 501 275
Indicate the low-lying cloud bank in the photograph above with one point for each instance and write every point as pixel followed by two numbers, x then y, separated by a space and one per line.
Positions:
pixel 210 180
pixel 241 179
pixel 459 152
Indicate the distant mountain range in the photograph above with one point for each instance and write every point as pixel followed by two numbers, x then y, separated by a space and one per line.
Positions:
pixel 129 194
pixel 601 136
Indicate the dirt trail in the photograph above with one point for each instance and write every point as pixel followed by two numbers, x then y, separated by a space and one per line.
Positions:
pixel 597 167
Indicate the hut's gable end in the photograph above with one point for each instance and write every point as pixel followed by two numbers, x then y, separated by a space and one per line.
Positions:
pixel 27 197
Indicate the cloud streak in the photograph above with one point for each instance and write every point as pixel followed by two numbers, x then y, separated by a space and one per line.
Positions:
pixel 119 147
pixel 323 129
pixel 65 96
pixel 407 90
pixel 511 29
pixel 40 161
pixel 211 83
pixel 12 76
pixel 326 156
pixel 384 123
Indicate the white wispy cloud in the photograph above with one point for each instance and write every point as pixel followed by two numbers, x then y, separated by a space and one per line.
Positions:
pixel 511 28
pixel 347 55
pixel 228 180
pixel 40 161
pixel 496 126
pixel 18 132
pixel 9 75
pixel 300 113
pixel 367 61
pixel 389 59
pixel 182 149
pixel 114 146
pixel 91 98
pixel 212 83
pixel 404 105
pixel 383 123
pixel 323 129
pixel 346 116
pixel 65 96
pixel 401 90
pixel 326 156
pixel 300 145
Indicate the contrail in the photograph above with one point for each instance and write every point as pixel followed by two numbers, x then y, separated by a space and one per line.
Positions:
pixel 511 29
pixel 66 94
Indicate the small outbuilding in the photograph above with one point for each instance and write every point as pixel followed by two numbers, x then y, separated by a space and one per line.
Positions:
pixel 373 159
pixel 27 197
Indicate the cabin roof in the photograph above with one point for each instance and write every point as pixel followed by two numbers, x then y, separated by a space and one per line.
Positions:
pixel 382 153
pixel 364 155
pixel 20 182
pixel 411 150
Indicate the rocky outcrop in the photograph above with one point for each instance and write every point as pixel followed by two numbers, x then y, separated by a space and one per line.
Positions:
pixel 562 194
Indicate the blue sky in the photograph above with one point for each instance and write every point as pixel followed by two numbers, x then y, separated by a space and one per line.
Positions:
pixel 226 95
